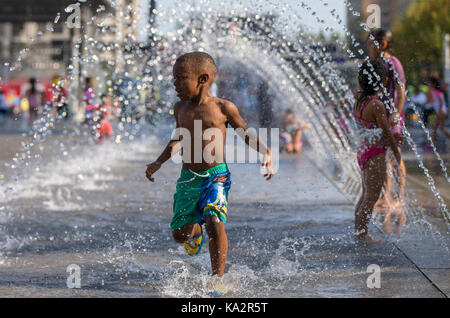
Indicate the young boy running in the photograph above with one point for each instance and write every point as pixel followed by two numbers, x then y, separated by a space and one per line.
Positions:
pixel 202 189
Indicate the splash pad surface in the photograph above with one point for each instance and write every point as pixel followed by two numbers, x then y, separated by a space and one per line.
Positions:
pixel 105 217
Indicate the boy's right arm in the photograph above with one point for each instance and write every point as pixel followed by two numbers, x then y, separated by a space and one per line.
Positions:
pixel 171 149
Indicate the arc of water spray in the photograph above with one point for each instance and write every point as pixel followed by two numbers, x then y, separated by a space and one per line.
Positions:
pixel 320 99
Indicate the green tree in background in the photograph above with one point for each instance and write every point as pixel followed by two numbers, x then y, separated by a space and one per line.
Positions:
pixel 418 38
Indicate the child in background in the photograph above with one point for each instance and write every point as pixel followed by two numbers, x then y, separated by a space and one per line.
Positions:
pixel 5 110
pixel 437 100
pixel 104 124
pixel 35 99
pixel 380 44
pixel 292 134
pixel 58 98
pixel 375 131
pixel 98 118
pixel 88 92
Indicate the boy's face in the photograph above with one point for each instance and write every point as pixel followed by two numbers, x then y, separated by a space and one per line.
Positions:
pixel 186 81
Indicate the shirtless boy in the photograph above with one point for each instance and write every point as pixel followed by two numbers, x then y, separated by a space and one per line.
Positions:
pixel 202 189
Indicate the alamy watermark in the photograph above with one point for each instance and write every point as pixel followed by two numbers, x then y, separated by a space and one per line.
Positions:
pixel 74 278
pixel 74 20
pixel 374 19
pixel 374 279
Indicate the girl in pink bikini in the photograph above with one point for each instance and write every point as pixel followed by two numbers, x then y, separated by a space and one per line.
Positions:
pixel 371 118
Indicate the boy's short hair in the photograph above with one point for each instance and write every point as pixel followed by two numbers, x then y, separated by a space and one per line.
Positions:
pixel 201 61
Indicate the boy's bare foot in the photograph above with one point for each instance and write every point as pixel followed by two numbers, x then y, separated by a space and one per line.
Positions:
pixel 216 286
pixel 366 238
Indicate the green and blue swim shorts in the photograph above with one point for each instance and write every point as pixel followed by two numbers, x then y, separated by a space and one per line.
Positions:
pixel 199 194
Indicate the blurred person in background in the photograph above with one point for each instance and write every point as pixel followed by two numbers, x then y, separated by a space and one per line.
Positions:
pixel 35 100
pixel 380 43
pixel 58 98
pixel 88 92
pixel 88 98
pixel 292 132
pixel 437 99
pixel 104 121
pixel 5 110
pixel 419 99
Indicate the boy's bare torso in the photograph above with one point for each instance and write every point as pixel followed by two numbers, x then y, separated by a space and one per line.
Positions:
pixel 212 114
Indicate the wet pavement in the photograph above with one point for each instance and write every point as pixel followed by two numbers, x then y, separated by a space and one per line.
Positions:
pixel 289 237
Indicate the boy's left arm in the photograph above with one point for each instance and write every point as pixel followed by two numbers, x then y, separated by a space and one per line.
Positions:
pixel 238 123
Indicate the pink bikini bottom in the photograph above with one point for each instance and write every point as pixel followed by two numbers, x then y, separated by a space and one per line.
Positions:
pixel 367 152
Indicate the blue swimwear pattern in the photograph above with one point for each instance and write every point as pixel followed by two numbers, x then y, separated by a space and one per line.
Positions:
pixel 214 198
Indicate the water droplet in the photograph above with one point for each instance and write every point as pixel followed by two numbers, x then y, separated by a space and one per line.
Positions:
pixel 58 15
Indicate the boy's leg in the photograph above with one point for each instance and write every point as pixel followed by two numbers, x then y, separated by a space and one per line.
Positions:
pixel 186 232
pixel 218 244
pixel 214 206
pixel 185 220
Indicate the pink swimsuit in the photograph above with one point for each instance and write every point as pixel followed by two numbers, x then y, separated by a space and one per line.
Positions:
pixel 366 152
